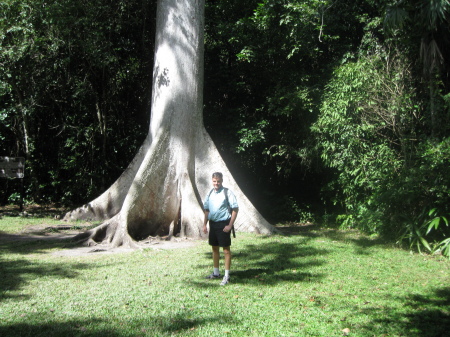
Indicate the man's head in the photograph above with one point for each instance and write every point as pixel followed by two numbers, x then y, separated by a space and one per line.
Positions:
pixel 217 179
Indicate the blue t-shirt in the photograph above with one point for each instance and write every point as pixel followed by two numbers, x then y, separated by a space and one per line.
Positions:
pixel 217 205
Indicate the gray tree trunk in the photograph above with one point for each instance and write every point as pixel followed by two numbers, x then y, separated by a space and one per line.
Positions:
pixel 161 191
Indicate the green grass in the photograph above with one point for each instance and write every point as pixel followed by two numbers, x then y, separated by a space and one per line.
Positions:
pixel 13 225
pixel 313 283
pixel 38 224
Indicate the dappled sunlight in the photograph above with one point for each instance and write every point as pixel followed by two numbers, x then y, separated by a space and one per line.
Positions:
pixel 271 260
pixel 426 315
pixel 304 284
pixel 18 273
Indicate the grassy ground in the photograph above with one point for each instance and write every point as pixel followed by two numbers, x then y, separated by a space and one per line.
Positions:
pixel 306 283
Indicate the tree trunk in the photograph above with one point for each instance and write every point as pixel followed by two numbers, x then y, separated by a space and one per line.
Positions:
pixel 161 191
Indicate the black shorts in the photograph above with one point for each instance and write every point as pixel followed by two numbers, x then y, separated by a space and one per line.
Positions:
pixel 217 237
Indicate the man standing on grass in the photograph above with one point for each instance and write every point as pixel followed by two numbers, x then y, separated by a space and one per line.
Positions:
pixel 221 209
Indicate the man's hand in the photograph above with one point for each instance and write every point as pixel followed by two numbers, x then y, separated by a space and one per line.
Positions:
pixel 205 229
pixel 226 229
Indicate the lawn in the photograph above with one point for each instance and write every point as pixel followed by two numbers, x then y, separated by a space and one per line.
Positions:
pixel 318 282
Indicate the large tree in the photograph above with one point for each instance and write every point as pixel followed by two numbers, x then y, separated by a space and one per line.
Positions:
pixel 161 191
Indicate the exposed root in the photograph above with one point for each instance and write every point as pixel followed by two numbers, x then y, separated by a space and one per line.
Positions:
pixel 90 243
pixel 103 233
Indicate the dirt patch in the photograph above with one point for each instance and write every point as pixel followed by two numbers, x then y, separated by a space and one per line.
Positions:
pixel 156 244
pixel 66 232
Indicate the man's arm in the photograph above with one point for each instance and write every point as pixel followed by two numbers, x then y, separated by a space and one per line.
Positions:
pixel 205 221
pixel 234 213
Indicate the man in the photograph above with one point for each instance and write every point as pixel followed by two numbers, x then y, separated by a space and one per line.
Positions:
pixel 221 211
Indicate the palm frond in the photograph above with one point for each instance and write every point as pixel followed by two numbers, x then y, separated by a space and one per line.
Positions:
pixel 434 12
pixel 395 18
pixel 431 54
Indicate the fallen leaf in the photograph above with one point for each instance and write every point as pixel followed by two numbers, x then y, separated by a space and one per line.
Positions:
pixel 346 331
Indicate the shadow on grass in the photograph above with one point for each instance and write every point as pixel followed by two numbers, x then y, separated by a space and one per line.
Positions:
pixel 26 244
pixel 58 329
pixel 179 322
pixel 360 240
pixel 17 272
pixel 151 326
pixel 272 261
pixel 426 316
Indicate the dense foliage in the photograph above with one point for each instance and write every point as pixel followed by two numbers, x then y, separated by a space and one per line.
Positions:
pixel 74 91
pixel 326 110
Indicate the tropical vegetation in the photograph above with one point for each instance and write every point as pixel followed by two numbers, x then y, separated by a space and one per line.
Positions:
pixel 326 111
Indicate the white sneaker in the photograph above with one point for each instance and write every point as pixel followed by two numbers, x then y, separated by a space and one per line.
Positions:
pixel 225 280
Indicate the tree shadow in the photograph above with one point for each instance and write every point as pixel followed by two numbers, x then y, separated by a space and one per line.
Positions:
pixel 179 322
pixel 151 326
pixel 361 241
pixel 32 244
pixel 272 262
pixel 426 315
pixel 14 271
pixel 57 329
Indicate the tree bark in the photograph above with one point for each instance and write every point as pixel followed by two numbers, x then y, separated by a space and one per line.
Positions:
pixel 161 191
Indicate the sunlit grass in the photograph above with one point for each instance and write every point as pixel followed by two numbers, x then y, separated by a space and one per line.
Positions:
pixel 17 224
pixel 39 225
pixel 314 283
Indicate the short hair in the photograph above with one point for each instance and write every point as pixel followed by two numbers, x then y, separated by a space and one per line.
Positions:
pixel 217 175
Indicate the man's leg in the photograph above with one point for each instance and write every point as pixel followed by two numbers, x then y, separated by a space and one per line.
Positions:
pixel 227 253
pixel 216 256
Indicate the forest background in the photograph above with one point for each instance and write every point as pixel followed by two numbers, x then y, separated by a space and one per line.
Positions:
pixel 326 111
